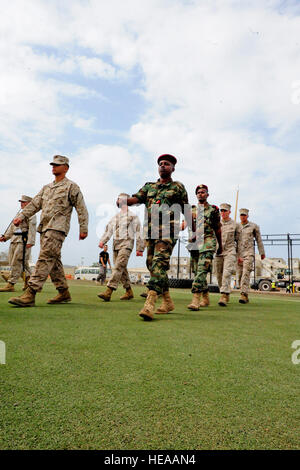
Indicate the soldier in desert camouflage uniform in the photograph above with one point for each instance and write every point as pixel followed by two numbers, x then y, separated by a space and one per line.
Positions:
pixel 208 232
pixel 247 232
pixel 125 227
pixel 226 262
pixel 56 200
pixel 16 248
pixel 164 201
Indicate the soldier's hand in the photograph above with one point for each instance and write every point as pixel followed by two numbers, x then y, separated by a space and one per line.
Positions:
pixel 2 238
pixel 139 253
pixel 29 246
pixel 219 251
pixel 262 257
pixel 240 260
pixel 101 245
pixel 183 225
pixel 82 235
pixel 17 221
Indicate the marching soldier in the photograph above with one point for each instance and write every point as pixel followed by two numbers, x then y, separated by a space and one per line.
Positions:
pixel 56 200
pixel 226 262
pixel 208 232
pixel 125 226
pixel 247 232
pixel 164 200
pixel 16 249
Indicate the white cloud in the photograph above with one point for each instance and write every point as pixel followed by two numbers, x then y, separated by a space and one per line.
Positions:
pixel 217 78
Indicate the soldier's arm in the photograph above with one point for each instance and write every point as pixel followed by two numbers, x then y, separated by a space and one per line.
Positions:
pixel 76 199
pixel 131 201
pixel 31 231
pixel 32 208
pixel 259 242
pixel 218 233
pixel 8 232
pixel 140 242
pixel 109 230
pixel 218 229
pixel 140 197
pixel 188 212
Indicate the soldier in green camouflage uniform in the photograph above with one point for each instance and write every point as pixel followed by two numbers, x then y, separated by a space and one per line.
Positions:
pixel 208 232
pixel 162 226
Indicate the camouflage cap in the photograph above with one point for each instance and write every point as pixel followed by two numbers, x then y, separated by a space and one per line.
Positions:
pixel 24 198
pixel 60 160
pixel 225 206
pixel 244 211
pixel 168 157
pixel 201 186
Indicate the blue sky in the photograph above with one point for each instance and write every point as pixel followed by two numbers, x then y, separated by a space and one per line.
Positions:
pixel 114 84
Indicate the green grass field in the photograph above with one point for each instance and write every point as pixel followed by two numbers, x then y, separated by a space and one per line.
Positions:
pixel 92 375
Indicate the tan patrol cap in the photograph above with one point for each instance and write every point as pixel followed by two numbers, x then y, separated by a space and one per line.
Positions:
pixel 25 198
pixel 60 160
pixel 244 211
pixel 225 206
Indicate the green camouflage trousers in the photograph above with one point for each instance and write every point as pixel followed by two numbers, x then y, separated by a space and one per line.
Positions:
pixel 194 260
pixel 49 262
pixel 204 267
pixel 158 263
pixel 120 273
pixel 16 261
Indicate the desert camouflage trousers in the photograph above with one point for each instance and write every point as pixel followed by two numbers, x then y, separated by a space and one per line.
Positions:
pixel 49 262
pixel 15 256
pixel 120 273
pixel 203 268
pixel 158 263
pixel 243 272
pixel 225 268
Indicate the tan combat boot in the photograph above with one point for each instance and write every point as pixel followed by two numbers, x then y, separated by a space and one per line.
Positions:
pixel 8 288
pixel 5 276
pixel 167 304
pixel 195 304
pixel 148 310
pixel 106 295
pixel 223 300
pixel 63 296
pixel 144 294
pixel 26 282
pixel 244 298
pixel 25 300
pixel 128 294
pixel 205 299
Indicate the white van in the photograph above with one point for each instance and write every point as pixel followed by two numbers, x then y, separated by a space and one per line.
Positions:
pixel 88 273
pixel 145 278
